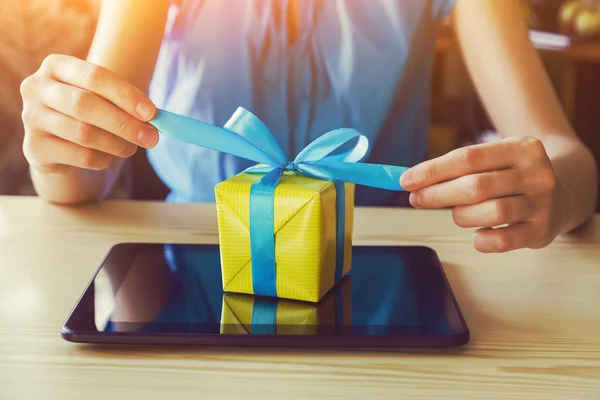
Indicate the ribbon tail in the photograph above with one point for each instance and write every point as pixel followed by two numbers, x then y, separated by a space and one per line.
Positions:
pixel 373 175
pixel 210 136
pixel 262 236
pixel 259 169
pixel 340 189
pixel 339 310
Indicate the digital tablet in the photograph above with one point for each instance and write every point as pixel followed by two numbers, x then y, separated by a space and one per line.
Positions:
pixel 172 294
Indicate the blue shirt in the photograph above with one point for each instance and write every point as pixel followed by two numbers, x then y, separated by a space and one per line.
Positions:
pixel 362 64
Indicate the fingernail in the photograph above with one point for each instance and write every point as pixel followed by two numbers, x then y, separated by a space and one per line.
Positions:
pixel 414 200
pixel 148 138
pixel 145 110
pixel 407 179
pixel 132 151
pixel 129 150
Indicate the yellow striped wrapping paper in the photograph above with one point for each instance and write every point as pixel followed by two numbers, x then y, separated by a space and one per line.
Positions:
pixel 292 317
pixel 305 234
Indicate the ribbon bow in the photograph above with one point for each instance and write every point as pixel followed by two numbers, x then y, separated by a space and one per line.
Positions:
pixel 246 136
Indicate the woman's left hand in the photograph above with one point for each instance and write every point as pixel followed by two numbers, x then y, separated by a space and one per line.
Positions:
pixel 507 188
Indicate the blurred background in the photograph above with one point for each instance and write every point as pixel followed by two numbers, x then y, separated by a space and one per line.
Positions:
pixel 565 32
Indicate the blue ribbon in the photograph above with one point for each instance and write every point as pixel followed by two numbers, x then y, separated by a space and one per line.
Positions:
pixel 245 136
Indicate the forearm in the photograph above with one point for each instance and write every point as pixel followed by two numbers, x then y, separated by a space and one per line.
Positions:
pixel 128 38
pixel 577 176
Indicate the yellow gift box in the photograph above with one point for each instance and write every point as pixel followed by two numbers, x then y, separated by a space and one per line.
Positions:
pixel 290 317
pixel 305 234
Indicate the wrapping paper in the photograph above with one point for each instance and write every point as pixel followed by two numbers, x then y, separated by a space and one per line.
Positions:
pixel 305 235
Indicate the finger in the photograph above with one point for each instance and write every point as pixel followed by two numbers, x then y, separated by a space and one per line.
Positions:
pixel 89 108
pixel 470 189
pixel 504 239
pixel 460 162
pixel 84 134
pixel 50 151
pixel 495 212
pixel 101 81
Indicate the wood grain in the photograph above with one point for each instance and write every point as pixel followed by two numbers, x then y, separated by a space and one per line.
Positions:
pixel 534 316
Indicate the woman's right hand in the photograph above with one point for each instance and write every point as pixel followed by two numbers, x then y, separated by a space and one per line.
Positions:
pixel 78 114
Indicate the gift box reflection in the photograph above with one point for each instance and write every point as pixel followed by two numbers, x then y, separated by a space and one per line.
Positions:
pixel 247 314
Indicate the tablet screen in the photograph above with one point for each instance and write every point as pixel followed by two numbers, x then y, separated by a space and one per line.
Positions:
pixel 177 289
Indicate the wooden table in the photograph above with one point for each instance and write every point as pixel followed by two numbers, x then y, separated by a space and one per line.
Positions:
pixel 534 316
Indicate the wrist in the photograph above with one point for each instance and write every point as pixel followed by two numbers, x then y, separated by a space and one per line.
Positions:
pixel 563 209
pixel 576 190
pixel 68 185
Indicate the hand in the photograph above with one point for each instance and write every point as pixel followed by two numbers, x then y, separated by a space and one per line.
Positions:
pixel 77 114
pixel 506 188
